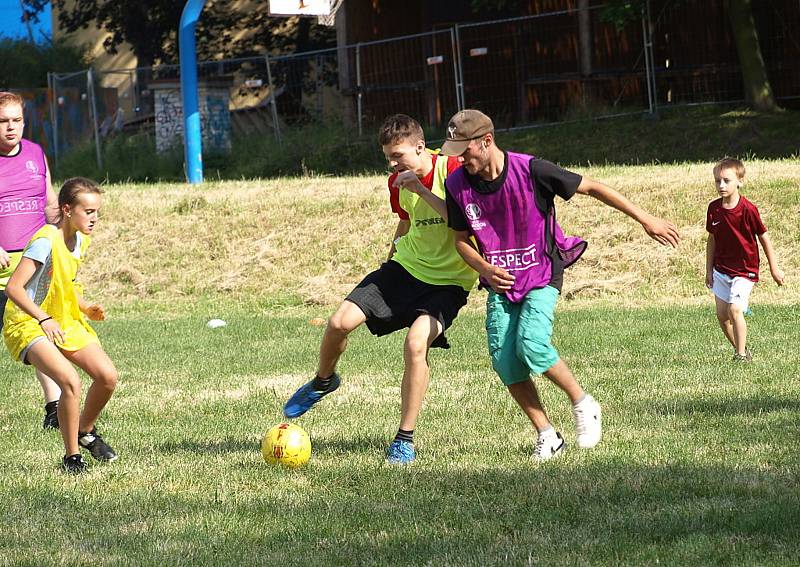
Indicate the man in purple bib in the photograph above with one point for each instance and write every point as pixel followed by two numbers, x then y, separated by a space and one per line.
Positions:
pixel 505 201
pixel 27 201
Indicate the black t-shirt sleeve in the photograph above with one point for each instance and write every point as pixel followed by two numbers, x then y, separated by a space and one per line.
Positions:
pixel 455 216
pixel 552 180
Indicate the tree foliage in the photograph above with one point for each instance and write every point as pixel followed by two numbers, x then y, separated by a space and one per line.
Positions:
pixel 150 27
pixel 27 64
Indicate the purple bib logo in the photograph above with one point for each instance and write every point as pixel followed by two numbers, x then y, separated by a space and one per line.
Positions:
pixel 473 211
pixel 30 166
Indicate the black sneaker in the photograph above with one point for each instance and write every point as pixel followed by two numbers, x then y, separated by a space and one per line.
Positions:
pixel 74 464
pixel 50 415
pixel 99 449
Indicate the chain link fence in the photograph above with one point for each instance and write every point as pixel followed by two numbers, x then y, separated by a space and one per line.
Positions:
pixel 524 72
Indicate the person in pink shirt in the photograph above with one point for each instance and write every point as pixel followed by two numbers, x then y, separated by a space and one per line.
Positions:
pixel 733 224
pixel 27 203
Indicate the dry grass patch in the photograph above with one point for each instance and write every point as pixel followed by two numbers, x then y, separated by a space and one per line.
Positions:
pixel 307 241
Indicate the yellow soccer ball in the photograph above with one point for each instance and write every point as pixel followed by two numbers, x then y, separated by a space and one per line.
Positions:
pixel 286 444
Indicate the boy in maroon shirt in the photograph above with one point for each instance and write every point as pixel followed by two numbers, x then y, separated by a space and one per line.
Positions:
pixel 733 224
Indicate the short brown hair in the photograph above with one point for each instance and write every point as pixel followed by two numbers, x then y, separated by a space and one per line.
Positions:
pixel 7 98
pixel 400 128
pixel 730 163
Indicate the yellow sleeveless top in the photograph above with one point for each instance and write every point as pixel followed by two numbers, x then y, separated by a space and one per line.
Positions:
pixel 428 250
pixel 60 302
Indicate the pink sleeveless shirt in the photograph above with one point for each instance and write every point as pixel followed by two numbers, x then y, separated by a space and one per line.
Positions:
pixel 23 195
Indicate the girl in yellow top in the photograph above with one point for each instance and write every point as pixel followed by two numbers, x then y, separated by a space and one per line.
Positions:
pixel 44 324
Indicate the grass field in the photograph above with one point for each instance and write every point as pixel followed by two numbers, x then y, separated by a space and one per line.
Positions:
pixel 698 466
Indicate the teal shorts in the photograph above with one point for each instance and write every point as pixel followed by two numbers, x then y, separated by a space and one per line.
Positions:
pixel 519 334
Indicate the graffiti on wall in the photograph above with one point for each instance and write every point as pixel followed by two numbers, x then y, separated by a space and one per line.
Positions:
pixel 215 120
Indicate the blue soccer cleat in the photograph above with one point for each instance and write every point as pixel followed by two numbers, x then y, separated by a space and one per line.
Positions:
pixel 401 453
pixel 305 398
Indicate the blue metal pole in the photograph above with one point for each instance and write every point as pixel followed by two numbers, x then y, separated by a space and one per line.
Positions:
pixel 192 136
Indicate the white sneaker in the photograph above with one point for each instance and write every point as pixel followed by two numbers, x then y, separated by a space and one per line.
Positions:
pixel 548 446
pixel 588 422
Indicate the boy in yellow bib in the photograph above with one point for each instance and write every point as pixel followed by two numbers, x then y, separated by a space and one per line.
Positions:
pixel 44 324
pixel 421 286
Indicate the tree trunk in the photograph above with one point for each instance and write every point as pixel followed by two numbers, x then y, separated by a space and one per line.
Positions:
pixel 757 89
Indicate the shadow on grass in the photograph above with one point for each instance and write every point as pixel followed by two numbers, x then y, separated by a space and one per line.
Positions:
pixel 565 513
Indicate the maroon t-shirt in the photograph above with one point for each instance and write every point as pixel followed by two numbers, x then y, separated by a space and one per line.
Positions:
pixel 735 231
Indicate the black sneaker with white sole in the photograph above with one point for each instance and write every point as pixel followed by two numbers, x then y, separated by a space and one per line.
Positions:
pixel 94 443
pixel 74 464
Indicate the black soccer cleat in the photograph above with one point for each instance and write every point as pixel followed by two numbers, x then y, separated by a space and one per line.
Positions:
pixel 50 415
pixel 97 447
pixel 74 464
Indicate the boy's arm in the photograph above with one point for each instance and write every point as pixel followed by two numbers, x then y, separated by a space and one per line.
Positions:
pixel 402 229
pixel 51 206
pixel 499 279
pixel 710 261
pixel 409 181
pixel 660 230
pixel 769 252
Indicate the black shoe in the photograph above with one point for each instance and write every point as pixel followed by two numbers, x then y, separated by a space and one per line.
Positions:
pixel 50 415
pixel 99 449
pixel 74 464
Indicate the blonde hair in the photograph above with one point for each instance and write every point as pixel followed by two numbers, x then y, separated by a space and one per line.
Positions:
pixel 730 163
pixel 7 98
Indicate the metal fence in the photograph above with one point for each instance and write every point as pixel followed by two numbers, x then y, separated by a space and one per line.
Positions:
pixel 524 72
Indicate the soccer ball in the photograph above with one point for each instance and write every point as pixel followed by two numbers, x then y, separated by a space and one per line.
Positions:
pixel 286 444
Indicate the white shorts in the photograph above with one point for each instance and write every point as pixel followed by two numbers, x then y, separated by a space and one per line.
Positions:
pixel 734 290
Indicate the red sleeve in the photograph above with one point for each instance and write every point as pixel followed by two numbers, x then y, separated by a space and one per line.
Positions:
pixel 755 221
pixel 453 163
pixel 708 217
pixel 394 198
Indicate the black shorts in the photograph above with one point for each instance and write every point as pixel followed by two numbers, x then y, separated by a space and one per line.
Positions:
pixel 392 299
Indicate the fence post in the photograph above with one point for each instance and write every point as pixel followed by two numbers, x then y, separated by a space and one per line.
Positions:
pixel 462 102
pixel 93 107
pixel 456 66
pixel 273 105
pixel 51 89
pixel 649 63
pixel 358 89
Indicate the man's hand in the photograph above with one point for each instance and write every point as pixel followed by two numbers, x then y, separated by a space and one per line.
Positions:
pixel 777 275
pixel 498 279
pixel 709 280
pixel 5 259
pixel 662 231
pixel 408 180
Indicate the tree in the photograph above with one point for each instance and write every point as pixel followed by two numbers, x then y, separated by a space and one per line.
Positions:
pixel 757 88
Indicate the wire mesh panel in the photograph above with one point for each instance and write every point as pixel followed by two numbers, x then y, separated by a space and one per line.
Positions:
pixel 414 75
pixel 307 87
pixel 71 112
pixel 696 56
pixel 546 68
